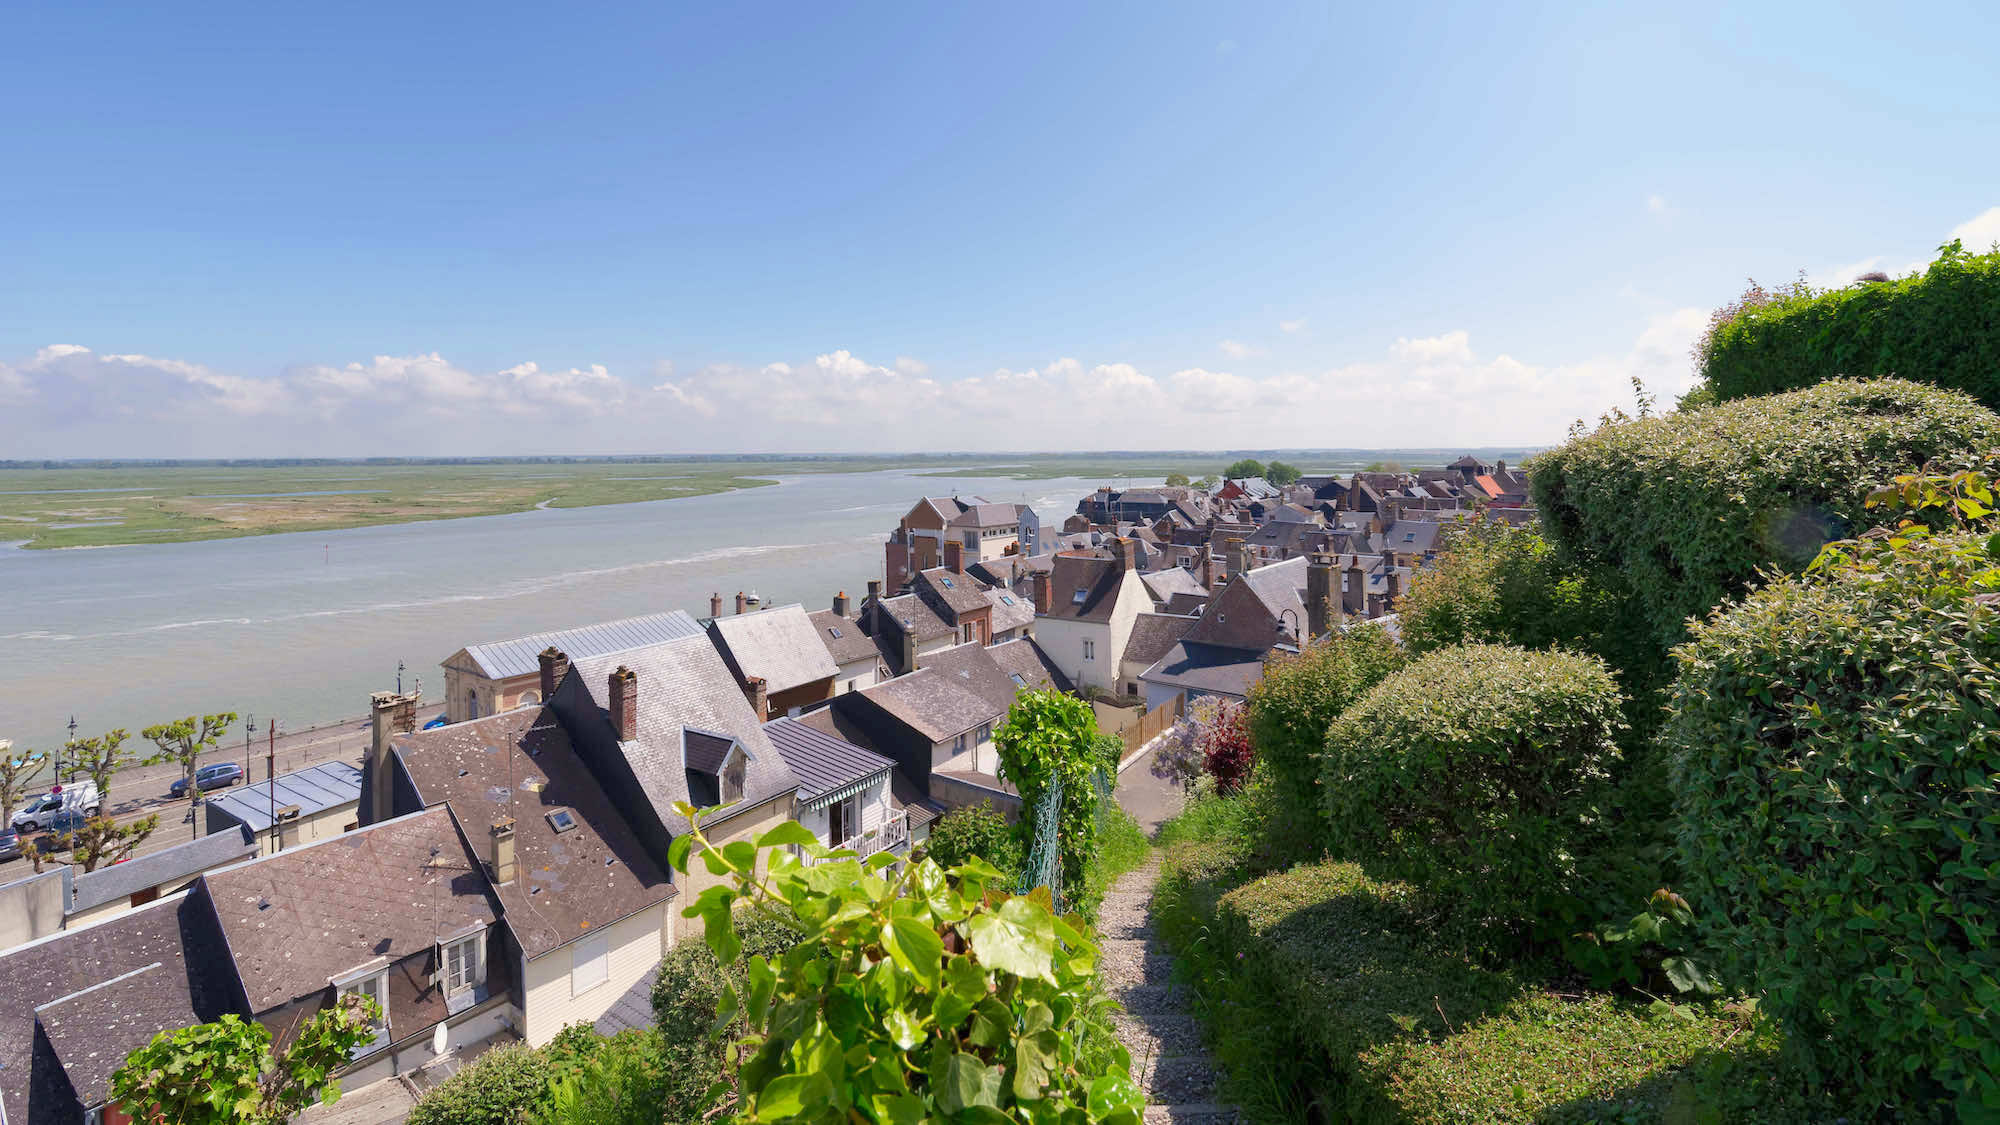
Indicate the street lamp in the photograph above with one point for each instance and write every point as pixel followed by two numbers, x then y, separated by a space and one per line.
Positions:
pixel 60 753
pixel 399 677
pixel 249 728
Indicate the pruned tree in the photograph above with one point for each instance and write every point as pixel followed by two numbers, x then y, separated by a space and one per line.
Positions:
pixel 224 1072
pixel 183 742
pixel 1208 482
pixel 99 758
pixel 101 841
pixel 18 769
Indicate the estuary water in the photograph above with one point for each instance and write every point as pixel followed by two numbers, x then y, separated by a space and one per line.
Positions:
pixel 303 626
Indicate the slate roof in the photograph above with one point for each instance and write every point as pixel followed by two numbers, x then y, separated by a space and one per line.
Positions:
pixel 520 763
pixel 936 705
pixel 958 593
pixel 988 515
pixel 314 789
pixel 976 668
pixel 1024 658
pixel 182 861
pixel 1412 536
pixel 1153 634
pixel 779 644
pixel 683 684
pixel 827 766
pixel 1185 605
pixel 498 660
pixel 1084 588
pixel 1010 610
pixel 1247 612
pixel 914 617
pixel 705 752
pixel 851 646
pixel 297 918
pixel 1194 666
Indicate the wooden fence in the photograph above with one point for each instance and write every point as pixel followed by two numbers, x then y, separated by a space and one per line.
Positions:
pixel 1153 722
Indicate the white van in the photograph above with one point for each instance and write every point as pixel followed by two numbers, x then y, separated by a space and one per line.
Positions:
pixel 38 812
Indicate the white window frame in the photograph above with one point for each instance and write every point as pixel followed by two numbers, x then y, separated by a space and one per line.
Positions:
pixel 589 963
pixel 373 984
pixel 473 955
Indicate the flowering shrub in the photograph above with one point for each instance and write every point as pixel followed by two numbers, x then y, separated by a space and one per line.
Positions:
pixel 1226 752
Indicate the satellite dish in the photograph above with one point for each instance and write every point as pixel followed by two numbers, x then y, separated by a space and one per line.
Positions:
pixel 440 1038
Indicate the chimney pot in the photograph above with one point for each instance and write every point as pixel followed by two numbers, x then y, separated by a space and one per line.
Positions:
pixel 760 697
pixel 715 604
pixel 555 665
pixel 502 850
pixel 1044 590
pixel 742 601
pixel 840 604
pixel 874 589
pixel 1240 559
pixel 625 703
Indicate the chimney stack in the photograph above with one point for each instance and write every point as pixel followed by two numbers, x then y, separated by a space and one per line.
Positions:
pixel 625 703
pixel 715 604
pixel 1239 557
pixel 742 601
pixel 1393 583
pixel 909 648
pixel 874 589
pixel 1353 602
pixel 1207 568
pixel 760 697
pixel 555 665
pixel 390 714
pixel 1374 606
pixel 1121 552
pixel 1319 595
pixel 1044 599
pixel 954 556
pixel 502 850
pixel 840 604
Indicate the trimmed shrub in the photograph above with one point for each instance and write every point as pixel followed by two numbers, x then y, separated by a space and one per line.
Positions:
pixel 1683 511
pixel 1494 583
pixel 632 1078
pixel 1298 698
pixel 497 1088
pixel 1473 771
pixel 975 830
pixel 1835 751
pixel 687 993
pixel 1941 326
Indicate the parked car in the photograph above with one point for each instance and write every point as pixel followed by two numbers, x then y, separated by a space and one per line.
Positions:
pixel 10 844
pixel 80 796
pixel 66 821
pixel 221 775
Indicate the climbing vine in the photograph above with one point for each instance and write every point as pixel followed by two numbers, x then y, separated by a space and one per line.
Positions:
pixel 1052 752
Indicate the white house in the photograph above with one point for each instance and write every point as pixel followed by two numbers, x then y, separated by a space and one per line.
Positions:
pixel 1084 611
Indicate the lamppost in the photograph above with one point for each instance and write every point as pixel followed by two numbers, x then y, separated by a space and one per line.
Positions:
pixel 65 749
pixel 1295 622
pixel 399 677
pixel 249 728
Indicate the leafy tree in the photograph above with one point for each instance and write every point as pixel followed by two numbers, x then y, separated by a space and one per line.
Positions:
pixel 975 830
pixel 17 770
pixel 1281 474
pixel 1177 480
pixel 915 996
pixel 183 742
pixel 101 841
pixel 224 1072
pixel 1177 755
pixel 99 758
pixel 1245 469
pixel 497 1088
pixel 1208 482
pixel 1050 742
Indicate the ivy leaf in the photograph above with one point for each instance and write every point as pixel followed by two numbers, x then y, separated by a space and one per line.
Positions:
pixel 1016 938
pixel 790 1094
pixel 789 833
pixel 1034 1061
pixel 1686 975
pixel 1114 1092
pixel 916 947
pixel 964 986
pixel 903 1029
pixel 967 1082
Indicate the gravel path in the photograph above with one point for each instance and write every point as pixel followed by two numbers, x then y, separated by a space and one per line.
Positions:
pixel 1168 1059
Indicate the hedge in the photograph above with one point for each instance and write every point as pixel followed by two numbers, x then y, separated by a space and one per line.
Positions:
pixel 497 1088
pixel 1291 708
pixel 1836 746
pixel 1495 583
pixel 1473 771
pixel 1683 510
pixel 687 992
pixel 974 830
pixel 1941 326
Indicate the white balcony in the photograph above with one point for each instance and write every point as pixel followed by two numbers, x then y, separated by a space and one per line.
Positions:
pixel 892 833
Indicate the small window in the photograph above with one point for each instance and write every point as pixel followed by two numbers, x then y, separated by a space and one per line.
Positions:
pixel 461 966
pixel 1006 599
pixel 1409 537
pixel 1081 593
pixel 376 988
pixel 833 631
pixel 985 732
pixel 958 747
pixel 968 630
pixel 1019 680
pixel 562 821
pixel 1090 650
pixel 947 583
pixel 589 963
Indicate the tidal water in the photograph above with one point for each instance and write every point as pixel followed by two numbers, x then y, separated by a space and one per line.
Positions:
pixel 304 626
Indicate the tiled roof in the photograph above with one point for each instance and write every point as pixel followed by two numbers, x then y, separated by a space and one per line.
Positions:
pixel 684 684
pixel 314 789
pixel 1010 610
pixel 1025 659
pixel 914 617
pixel 298 918
pixel 1084 588
pixel 1164 583
pixel 826 765
pixel 957 593
pixel 520 763
pixel 975 668
pixel 1249 610
pixel 850 645
pixel 182 861
pixel 1192 665
pixel 1153 634
pixel 779 644
pixel 988 515
pixel 933 704
pixel 498 660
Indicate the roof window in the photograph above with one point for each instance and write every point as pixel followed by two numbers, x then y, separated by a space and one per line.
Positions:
pixel 1081 593
pixel 1006 599
pixel 561 821
pixel 947 583
pixel 1019 679
pixel 833 631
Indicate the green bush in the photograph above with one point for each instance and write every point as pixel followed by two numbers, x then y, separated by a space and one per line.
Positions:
pixel 1683 511
pixel 1836 750
pixel 1292 706
pixel 1473 771
pixel 497 1088
pixel 1494 583
pixel 1941 326
pixel 1121 846
pixel 631 1078
pixel 975 830
pixel 688 990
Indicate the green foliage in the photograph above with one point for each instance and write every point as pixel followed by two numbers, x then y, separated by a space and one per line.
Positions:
pixel 1474 771
pixel 1121 846
pixel 1208 482
pixel 913 996
pixel 1835 752
pixel 1494 583
pixel 1245 469
pixel 1682 511
pixel 183 742
pixel 99 758
pixel 975 830
pixel 220 1072
pixel 498 1088
pixel 1299 697
pixel 1177 480
pixel 688 991
pixel 1050 741
pixel 1281 474
pixel 101 841
pixel 18 770
pixel 1941 326
pixel 631 1078
pixel 1649 951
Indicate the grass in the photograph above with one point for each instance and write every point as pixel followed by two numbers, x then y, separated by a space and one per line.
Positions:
pixel 1121 846
pixel 1328 997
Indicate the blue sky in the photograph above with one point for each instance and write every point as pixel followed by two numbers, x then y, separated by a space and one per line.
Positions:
pixel 440 228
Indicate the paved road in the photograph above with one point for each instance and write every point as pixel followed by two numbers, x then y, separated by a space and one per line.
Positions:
pixel 1149 799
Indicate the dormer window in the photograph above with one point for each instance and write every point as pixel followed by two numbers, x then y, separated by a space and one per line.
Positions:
pixel 463 964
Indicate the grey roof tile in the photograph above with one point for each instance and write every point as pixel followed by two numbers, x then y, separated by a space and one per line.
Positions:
pixel 501 659
pixel 825 764
pixel 779 644
pixel 182 861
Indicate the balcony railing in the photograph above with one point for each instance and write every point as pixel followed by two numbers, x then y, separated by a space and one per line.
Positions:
pixel 892 833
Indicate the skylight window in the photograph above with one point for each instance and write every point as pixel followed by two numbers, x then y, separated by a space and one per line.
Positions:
pixel 1006 599
pixel 1019 679
pixel 562 821
pixel 833 631
pixel 1081 593
pixel 1409 537
pixel 947 583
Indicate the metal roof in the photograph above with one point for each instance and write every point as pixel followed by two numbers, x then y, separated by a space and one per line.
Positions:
pixel 498 660
pixel 313 790
pixel 828 768
pixel 182 861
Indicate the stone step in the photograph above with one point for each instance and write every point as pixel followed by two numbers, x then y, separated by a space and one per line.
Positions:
pixel 1174 1079
pixel 1191 1113
pixel 1163 1034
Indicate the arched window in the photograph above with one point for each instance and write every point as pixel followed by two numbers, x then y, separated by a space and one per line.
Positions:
pixel 528 697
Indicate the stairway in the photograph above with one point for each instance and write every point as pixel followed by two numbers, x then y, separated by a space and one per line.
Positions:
pixel 1168 1059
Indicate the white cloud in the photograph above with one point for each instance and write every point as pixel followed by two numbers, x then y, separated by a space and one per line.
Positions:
pixel 1452 346
pixel 1237 349
pixel 910 365
pixel 1980 232
pixel 1292 327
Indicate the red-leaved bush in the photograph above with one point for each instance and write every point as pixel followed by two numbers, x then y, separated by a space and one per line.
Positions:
pixel 1225 743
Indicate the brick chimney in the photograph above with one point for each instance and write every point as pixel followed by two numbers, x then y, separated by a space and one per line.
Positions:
pixel 500 851
pixel 1044 598
pixel 715 604
pixel 555 665
pixel 760 697
pixel 1208 568
pixel 954 556
pixel 1393 583
pixel 1374 606
pixel 840 604
pixel 1353 600
pixel 1319 595
pixel 625 703
pixel 874 589
pixel 1240 559
pixel 742 601
pixel 390 714
pixel 1121 553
